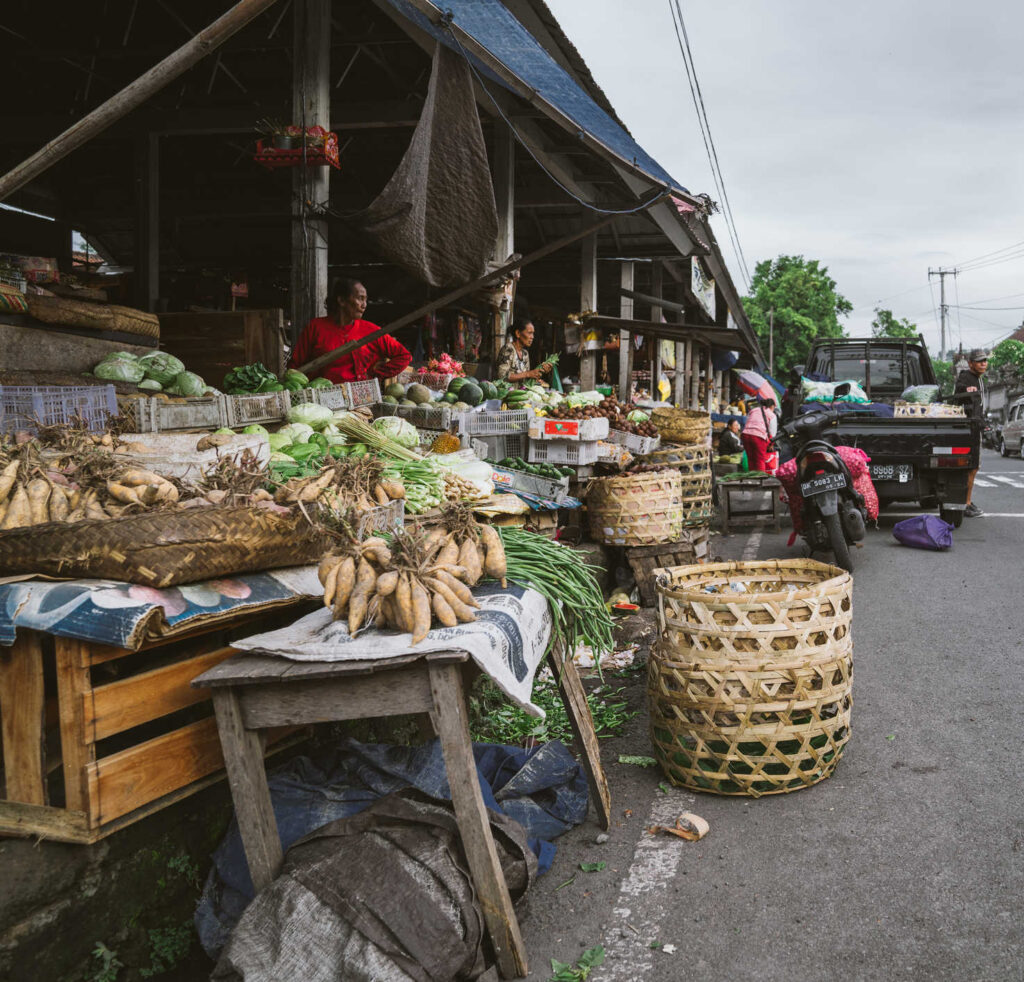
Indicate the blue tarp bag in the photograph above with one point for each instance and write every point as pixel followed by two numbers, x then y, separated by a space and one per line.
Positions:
pixel 924 532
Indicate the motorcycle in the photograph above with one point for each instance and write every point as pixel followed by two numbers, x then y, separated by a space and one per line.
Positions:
pixel 834 512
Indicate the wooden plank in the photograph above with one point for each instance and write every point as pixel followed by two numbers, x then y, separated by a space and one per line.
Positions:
pixel 59 824
pixel 248 779
pixel 625 379
pixel 76 745
pixel 474 826
pixel 22 719
pixel 588 302
pixel 405 690
pixel 264 338
pixel 129 702
pixel 582 723
pixel 130 778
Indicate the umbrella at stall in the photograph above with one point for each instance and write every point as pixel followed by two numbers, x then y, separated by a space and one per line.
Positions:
pixel 755 385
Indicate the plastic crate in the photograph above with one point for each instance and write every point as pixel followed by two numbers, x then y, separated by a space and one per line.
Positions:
pixel 633 442
pixel 500 447
pixel 437 381
pixel 575 453
pixel 502 423
pixel 543 428
pixel 543 487
pixel 362 393
pixel 27 407
pixel 336 397
pixel 257 407
pixel 156 415
pixel 422 417
pixel 382 518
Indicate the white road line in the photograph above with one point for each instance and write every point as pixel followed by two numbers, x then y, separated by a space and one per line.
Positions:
pixel 1005 480
pixel 629 957
pixel 979 483
pixel 753 544
pixel 987 514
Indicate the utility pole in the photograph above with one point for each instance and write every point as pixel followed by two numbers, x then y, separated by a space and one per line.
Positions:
pixel 771 340
pixel 943 307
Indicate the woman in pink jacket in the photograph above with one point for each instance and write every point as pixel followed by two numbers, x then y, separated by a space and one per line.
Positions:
pixel 760 429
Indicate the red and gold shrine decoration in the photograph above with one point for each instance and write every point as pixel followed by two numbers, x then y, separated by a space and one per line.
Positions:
pixel 320 150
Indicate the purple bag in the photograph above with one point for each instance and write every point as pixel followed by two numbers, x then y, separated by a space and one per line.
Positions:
pixel 924 532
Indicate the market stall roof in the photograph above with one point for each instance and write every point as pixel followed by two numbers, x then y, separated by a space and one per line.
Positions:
pixel 718 337
pixel 495 40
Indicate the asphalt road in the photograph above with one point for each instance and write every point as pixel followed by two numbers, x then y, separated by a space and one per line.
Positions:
pixel 907 864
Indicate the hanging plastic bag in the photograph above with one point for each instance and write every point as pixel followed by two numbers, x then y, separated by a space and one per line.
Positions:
pixel 924 532
pixel 556 379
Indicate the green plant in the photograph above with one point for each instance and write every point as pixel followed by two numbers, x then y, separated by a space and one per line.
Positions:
pixel 587 962
pixel 186 867
pixel 167 947
pixel 109 964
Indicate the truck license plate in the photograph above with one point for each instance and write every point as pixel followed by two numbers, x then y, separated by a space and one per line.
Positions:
pixel 818 485
pixel 892 472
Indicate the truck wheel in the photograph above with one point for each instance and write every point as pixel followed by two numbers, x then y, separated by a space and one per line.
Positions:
pixel 1003 450
pixel 954 516
pixel 838 542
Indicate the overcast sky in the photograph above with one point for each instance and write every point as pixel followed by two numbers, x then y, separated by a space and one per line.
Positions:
pixel 880 138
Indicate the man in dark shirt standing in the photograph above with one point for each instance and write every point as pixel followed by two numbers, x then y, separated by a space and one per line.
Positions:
pixel 969 382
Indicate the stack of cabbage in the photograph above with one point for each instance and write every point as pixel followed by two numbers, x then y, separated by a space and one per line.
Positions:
pixel 155 372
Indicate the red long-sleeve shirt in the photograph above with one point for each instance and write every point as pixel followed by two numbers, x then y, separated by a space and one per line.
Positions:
pixel 323 335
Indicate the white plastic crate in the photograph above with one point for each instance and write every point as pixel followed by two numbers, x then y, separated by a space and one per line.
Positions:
pixel 502 423
pixel 544 487
pixel 382 518
pixel 422 417
pixel 575 453
pixel 633 442
pixel 26 407
pixel 544 428
pixel 257 407
pixel 157 415
pixel 500 447
pixel 364 393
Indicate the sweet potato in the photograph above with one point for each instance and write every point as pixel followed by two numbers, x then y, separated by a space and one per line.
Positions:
pixel 345 584
pixel 19 511
pixel 386 583
pixel 463 612
pixel 469 559
pixel 326 565
pixel 38 500
pixel 494 556
pixel 443 610
pixel 331 585
pixel 449 554
pixel 393 490
pixel 58 507
pixel 421 612
pixel 125 495
pixel 7 479
pixel 381 495
pixel 434 540
pixel 376 550
pixel 138 477
pixel 459 589
pixel 403 603
pixel 366 580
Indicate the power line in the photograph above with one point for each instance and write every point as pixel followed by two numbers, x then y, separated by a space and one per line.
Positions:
pixel 970 307
pixel 892 296
pixel 970 262
pixel 705 127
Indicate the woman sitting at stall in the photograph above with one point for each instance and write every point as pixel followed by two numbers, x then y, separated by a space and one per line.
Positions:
pixel 730 443
pixel 514 357
pixel 758 433
pixel 382 358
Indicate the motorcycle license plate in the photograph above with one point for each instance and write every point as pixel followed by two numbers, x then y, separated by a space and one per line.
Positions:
pixel 819 485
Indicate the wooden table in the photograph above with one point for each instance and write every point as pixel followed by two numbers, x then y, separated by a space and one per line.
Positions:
pixel 753 485
pixel 253 692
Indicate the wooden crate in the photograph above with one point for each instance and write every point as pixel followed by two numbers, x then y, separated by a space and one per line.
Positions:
pixel 644 560
pixel 96 737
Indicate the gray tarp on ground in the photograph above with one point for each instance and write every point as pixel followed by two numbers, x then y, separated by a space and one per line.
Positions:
pixel 384 896
pixel 436 217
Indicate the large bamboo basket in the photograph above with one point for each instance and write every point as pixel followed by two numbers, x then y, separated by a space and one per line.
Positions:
pixel 686 426
pixel 636 509
pixel 750 683
pixel 94 316
pixel 163 548
pixel 690 461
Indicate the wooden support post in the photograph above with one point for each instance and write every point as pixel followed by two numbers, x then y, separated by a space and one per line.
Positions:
pixel 588 302
pixel 243 758
pixel 22 719
pixel 709 381
pixel 147 221
pixel 311 106
pixel 503 167
pixel 693 373
pixel 625 379
pixel 474 825
pixel 679 389
pixel 77 748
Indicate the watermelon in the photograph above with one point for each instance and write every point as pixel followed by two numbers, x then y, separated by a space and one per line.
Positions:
pixel 489 390
pixel 390 400
pixel 419 394
pixel 456 384
pixel 396 390
pixel 450 398
pixel 471 393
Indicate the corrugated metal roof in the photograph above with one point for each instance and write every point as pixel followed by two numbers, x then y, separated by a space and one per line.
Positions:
pixel 496 29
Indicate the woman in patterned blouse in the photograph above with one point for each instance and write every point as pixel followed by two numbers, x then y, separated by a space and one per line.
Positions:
pixel 514 357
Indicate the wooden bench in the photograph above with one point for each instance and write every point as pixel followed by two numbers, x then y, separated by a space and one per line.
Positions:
pixel 253 692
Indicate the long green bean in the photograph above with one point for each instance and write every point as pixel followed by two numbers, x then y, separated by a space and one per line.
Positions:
pixel 568 584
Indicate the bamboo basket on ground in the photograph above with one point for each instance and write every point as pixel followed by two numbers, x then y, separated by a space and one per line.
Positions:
pixel 94 316
pixel 690 460
pixel 164 548
pixel 636 509
pixel 750 683
pixel 686 426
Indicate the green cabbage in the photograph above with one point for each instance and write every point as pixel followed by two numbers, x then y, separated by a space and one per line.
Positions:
pixel 120 370
pixel 279 441
pixel 311 414
pixel 121 356
pixel 638 416
pixel 254 429
pixel 296 432
pixel 398 429
pixel 161 366
pixel 189 384
pixel 150 384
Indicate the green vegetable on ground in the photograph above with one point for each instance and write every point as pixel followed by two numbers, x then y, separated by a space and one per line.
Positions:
pixel 249 378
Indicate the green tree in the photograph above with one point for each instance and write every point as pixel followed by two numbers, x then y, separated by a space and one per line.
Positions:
pixel 944 375
pixel 885 325
pixel 1007 359
pixel 805 303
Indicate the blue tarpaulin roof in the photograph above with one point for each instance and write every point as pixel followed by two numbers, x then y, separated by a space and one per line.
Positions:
pixel 496 29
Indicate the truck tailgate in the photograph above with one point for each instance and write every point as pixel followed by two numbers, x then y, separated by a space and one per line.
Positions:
pixel 909 438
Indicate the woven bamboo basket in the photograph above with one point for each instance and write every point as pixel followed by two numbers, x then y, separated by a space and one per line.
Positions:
pixel 698 509
pixel 686 426
pixel 636 509
pixel 163 548
pixel 94 316
pixel 750 683
pixel 688 460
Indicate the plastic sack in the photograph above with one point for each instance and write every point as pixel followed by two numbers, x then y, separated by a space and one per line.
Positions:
pixel 921 394
pixel 825 391
pixel 924 532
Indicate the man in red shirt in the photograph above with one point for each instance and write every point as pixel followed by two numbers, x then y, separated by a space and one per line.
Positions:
pixel 383 358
